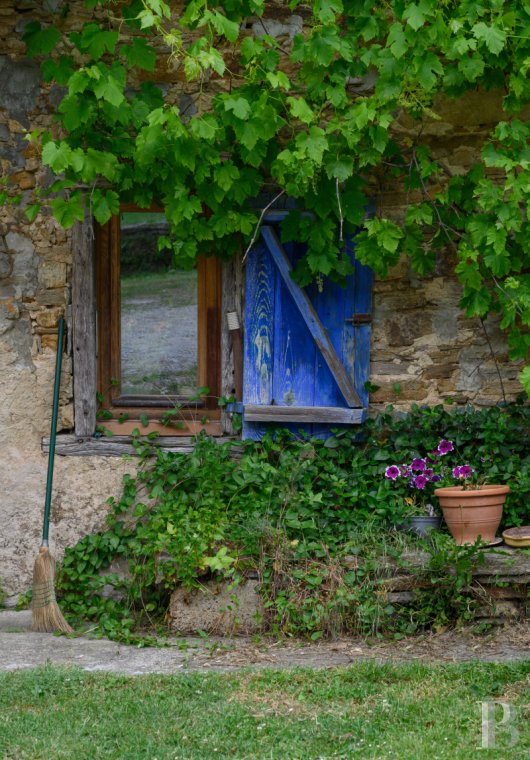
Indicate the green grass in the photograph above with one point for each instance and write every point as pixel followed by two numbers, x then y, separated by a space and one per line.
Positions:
pixel 406 711
pixel 177 287
pixel 139 217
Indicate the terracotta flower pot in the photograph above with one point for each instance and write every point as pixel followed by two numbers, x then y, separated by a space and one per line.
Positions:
pixel 474 513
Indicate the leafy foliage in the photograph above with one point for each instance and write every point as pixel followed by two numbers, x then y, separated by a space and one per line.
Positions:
pixel 293 511
pixel 315 118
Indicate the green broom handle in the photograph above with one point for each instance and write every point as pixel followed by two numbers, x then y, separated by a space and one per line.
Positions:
pixel 53 432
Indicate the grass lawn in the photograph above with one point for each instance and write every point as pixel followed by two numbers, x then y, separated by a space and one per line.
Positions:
pixel 176 287
pixel 406 711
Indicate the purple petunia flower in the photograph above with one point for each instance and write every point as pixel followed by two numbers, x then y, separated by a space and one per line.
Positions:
pixel 428 473
pixel 444 447
pixel 420 481
pixel 418 465
pixel 392 472
pixel 464 471
pixel 436 478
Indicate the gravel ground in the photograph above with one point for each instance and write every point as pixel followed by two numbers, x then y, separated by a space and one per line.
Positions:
pixel 165 339
pixel 20 648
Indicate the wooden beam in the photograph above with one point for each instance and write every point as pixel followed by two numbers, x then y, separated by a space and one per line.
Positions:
pixel 84 328
pixel 327 414
pixel 118 445
pixel 311 318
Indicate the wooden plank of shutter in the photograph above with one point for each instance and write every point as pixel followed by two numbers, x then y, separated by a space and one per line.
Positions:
pixel 362 328
pixel 311 319
pixel 258 334
pixel 325 414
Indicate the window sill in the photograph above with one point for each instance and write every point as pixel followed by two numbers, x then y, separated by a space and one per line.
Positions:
pixel 117 445
pixel 181 426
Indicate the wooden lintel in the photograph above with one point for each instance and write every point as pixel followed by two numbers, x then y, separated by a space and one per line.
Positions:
pixel 118 445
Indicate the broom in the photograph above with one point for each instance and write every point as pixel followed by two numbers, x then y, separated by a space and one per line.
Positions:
pixel 45 612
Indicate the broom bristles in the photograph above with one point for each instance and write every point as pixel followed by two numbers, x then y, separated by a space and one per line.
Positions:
pixel 45 613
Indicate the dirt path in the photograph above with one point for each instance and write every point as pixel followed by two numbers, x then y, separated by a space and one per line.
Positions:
pixel 19 648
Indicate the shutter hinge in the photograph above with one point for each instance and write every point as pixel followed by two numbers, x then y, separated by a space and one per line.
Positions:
pixel 360 319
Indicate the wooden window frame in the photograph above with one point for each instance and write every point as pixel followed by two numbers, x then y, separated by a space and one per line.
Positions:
pixel 194 416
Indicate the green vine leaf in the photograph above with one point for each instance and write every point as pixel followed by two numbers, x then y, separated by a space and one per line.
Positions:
pixel 493 37
pixel 68 210
pixel 139 53
pixel 317 117
pixel 40 41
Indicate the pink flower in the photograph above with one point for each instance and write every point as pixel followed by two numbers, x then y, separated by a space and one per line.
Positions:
pixel 463 471
pixel 444 447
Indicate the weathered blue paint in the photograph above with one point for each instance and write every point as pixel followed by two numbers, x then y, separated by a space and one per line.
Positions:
pixel 362 301
pixel 310 318
pixel 258 333
pixel 299 348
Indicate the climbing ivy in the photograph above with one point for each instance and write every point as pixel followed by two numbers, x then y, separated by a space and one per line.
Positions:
pixel 315 119
pixel 313 519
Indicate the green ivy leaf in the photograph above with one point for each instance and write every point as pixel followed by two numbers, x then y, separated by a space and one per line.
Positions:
pixel 524 378
pixel 60 70
pixel 97 162
pixel 239 106
pixel 68 210
pixel 313 143
pixel 397 41
pixel 109 89
pixel 40 41
pixel 493 37
pixel 300 110
pixel 414 15
pixel 139 53
pixel 32 211
pixel 104 205
pixel 472 68
pixel 94 40
pixel 57 156
pixel 223 25
pixel 428 66
pixel 340 169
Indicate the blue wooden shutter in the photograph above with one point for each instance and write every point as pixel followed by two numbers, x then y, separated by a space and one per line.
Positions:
pixel 306 352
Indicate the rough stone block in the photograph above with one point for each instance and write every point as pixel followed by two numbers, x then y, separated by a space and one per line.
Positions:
pixel 404 329
pixel 6 265
pixel 24 180
pixel 52 274
pixel 19 244
pixel 9 312
pixel 217 609
pixel 18 94
pixel 288 28
pixel 49 318
pixel 49 341
pixel 500 609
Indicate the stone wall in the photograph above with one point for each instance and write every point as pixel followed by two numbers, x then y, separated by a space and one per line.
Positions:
pixel 35 268
pixel 424 350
